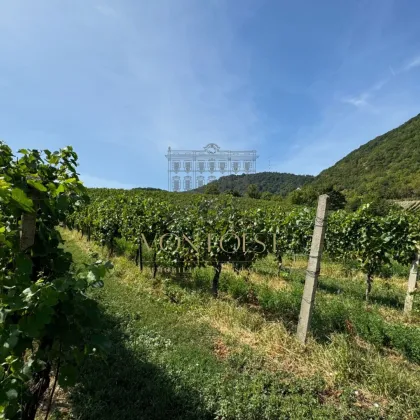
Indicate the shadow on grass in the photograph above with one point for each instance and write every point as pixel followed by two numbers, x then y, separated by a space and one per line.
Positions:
pixel 392 298
pixel 376 297
pixel 125 385
pixel 346 313
pixel 275 306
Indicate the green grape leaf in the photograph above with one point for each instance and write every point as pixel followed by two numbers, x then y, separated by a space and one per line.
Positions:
pixel 37 185
pixel 12 394
pixel 68 376
pixel 24 202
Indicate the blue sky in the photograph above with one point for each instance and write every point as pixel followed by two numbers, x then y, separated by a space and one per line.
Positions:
pixel 302 82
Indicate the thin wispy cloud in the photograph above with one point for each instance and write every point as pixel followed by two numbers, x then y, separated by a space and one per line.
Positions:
pixel 160 75
pixel 357 101
pixel 122 81
pixel 92 181
pixel 412 64
pixel 362 100
pixel 192 93
pixel 379 85
pixel 106 10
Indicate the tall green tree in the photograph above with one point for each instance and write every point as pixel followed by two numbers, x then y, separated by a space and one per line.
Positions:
pixel 212 189
pixel 252 191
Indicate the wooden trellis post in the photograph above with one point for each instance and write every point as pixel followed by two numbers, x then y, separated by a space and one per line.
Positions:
pixel 412 285
pixel 28 224
pixel 140 253
pixel 27 233
pixel 312 272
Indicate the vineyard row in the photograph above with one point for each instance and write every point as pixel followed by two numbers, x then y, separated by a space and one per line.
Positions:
pixel 212 231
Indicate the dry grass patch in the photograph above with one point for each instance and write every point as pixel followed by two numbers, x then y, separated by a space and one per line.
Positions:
pixel 270 339
pixel 377 377
pixel 221 350
pixel 275 283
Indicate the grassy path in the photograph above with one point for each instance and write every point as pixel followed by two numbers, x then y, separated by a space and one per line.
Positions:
pixel 176 353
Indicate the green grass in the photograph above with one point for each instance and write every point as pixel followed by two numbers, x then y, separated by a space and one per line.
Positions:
pixel 177 353
pixel 343 313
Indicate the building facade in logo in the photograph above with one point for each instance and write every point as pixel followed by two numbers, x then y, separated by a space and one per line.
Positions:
pixel 189 169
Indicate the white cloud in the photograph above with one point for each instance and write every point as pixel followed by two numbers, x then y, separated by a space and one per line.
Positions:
pixel 361 101
pixel 357 101
pixel 364 100
pixel 340 132
pixel 138 75
pixel 106 10
pixel 96 182
pixel 415 62
pixel 130 78
pixel 190 92
pixel 379 85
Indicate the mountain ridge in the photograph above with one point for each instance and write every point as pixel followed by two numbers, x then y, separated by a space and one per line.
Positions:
pixel 387 166
pixel 272 182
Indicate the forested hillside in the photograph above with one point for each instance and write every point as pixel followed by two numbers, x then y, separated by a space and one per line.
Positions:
pixel 388 166
pixel 273 182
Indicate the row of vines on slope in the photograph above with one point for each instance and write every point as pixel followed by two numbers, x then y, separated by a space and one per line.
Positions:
pixel 46 320
pixel 217 231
